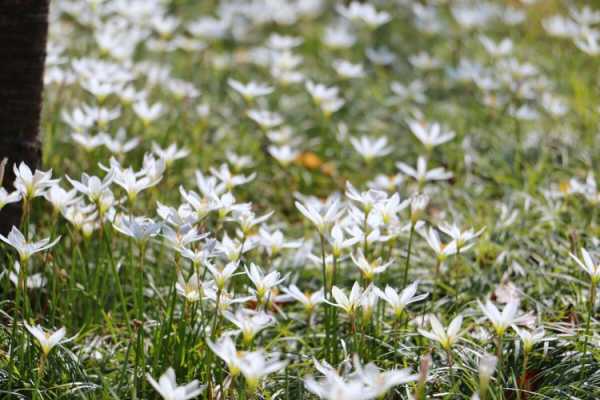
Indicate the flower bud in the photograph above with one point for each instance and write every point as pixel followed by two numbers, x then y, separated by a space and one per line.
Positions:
pixel 487 366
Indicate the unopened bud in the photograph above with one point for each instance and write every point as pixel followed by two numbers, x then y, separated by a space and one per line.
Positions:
pixel 423 374
pixel 418 204
pixel 487 366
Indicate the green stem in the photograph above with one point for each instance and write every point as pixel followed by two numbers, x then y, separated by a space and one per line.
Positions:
pixel 524 372
pixel 118 283
pixel 407 265
pixel 213 333
pixel 328 296
pixel 450 367
pixel 40 373
pixel 499 356
pixel 140 352
pixel 334 313
pixel 587 327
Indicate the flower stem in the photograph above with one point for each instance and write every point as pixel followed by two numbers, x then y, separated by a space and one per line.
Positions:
pixel 328 296
pixel 213 332
pixel 40 374
pixel 587 326
pixel 407 265
pixel 524 372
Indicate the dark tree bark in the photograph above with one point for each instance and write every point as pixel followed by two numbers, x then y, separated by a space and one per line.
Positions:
pixel 23 35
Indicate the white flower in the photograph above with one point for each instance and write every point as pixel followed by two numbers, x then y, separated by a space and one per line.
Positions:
pixel 284 154
pixel 250 90
pixel 228 179
pixel 462 238
pixel 198 256
pixel 168 389
pixel 209 27
pixel 274 242
pixel 308 300
pixel 79 120
pixel 181 237
pixel 233 249
pixel 201 205
pixel 147 113
pixel 101 115
pixel 350 303
pixel 60 198
pixel 337 388
pixel 254 366
pixel 442 250
pixel 225 349
pixel 588 265
pixel 141 229
pixel 588 43
pixel 132 183
pixel 420 174
pixel 371 234
pixel 179 217
pixel 321 93
pixel 119 144
pixel 339 36
pixel 239 162
pixel 424 61
pixel 339 242
pixel 388 183
pixel 399 301
pixel 369 269
pixel 560 26
pixel 164 25
pixel 170 153
pixel 430 135
pixel 470 16
pixel 33 281
pixel 585 15
pixel 368 303
pixel 379 382
pixel 249 322
pixel 388 209
pixel 7 198
pixel 265 119
pixel 554 105
pixel 46 339
pixel 209 185
pixel 81 215
pixel 325 97
pixel 364 12
pixel 347 70
pixel 501 321
pixel 502 48
pixel 92 186
pixel 322 219
pixel 530 338
pixel 191 289
pixel 418 204
pixel 369 148
pixel 222 276
pixel 25 248
pixel 367 199
pixel 414 91
pixel 262 283
pixel 446 337
pixel 30 185
pixel 248 220
pixel 283 42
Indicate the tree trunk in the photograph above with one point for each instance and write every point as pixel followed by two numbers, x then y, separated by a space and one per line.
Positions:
pixel 23 34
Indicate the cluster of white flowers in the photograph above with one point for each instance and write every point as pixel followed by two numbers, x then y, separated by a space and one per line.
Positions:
pixel 279 191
